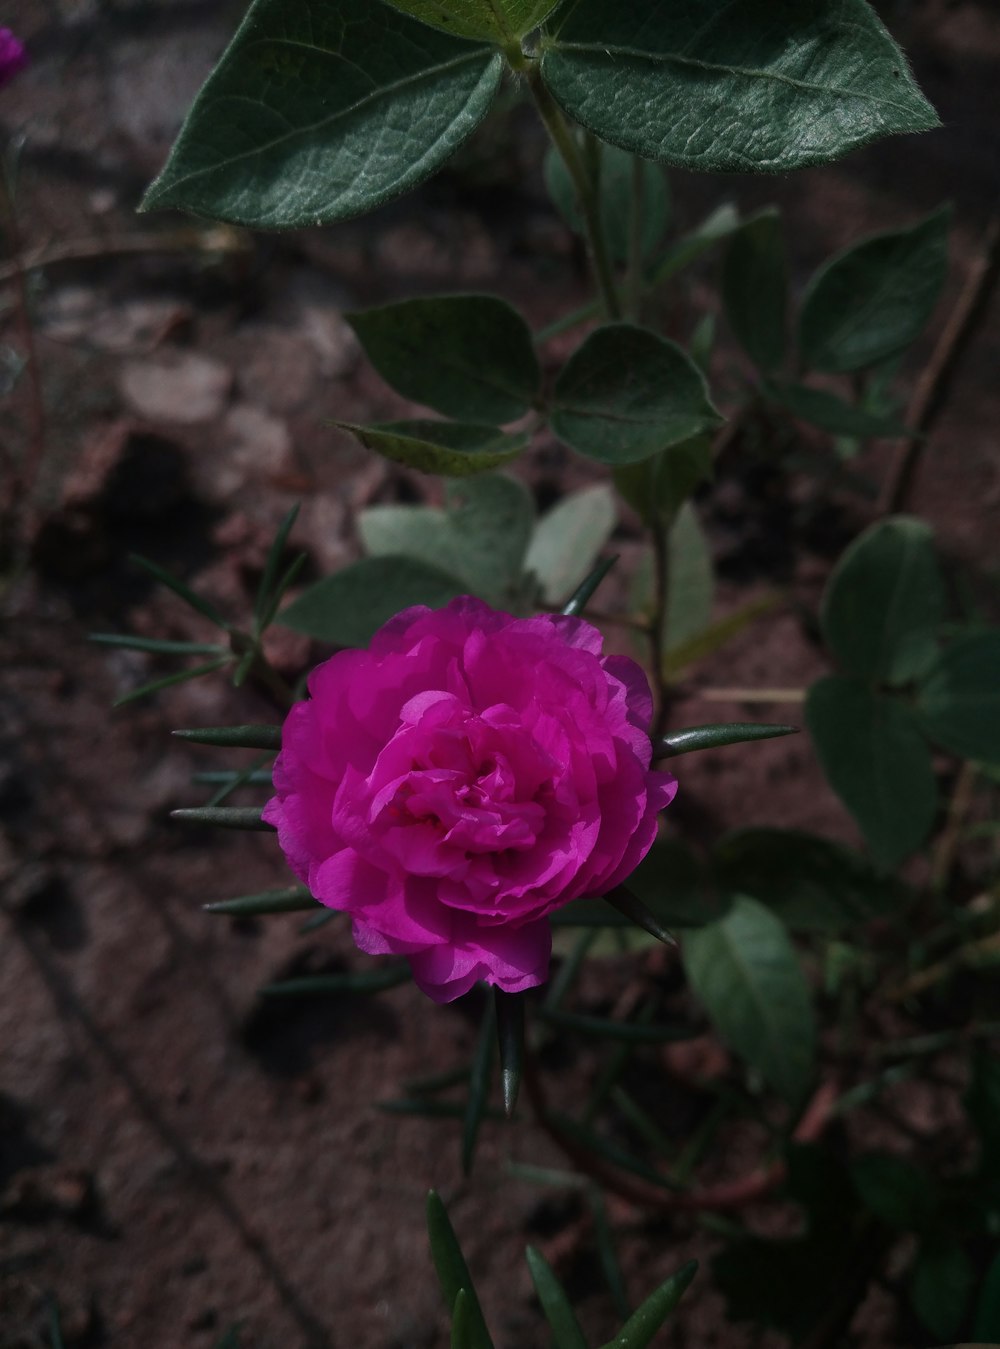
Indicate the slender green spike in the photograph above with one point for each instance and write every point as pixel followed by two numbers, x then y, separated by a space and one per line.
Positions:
pixel 622 899
pixel 291 899
pixel 566 1332
pixel 611 1152
pixel 642 1325
pixel 55 1324
pixel 273 561
pixel 292 571
pixel 224 817
pixel 226 789
pixel 462 1315
pixel 716 736
pixel 227 777
pixel 157 645
pixel 452 1271
pixel 479 1083
pixel 510 1038
pixel 584 593
pixel 631 1032
pixel 180 677
pixel 235 737
pixel 351 981
pixel 318 920
pixel 244 667
pixel 606 1251
pixel 180 589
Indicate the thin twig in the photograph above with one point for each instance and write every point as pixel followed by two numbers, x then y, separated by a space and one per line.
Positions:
pixel 932 390
pixel 221 239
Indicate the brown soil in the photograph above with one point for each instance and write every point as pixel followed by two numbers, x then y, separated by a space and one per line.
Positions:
pixel 176 1156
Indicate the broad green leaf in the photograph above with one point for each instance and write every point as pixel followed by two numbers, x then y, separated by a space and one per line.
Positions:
pixel 941 1283
pixel 452 1271
pixel 901 1194
pixel 886 587
pixel 481 538
pixel 690 579
pixel 744 970
pixel 465 356
pixel 566 1332
pixel 323 109
pixel 568 540
pixel 876 760
pixel 658 487
pixel 959 699
pixel 348 608
pixel 829 412
pixel 453 449
pixel 617 169
pixel 810 883
pixel 732 85
pixel 871 301
pixel 626 393
pixel 642 1325
pixel 755 289
pixel 499 21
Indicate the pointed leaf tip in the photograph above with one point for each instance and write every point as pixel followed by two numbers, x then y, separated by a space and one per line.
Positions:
pixel 583 594
pixel 629 904
pixel 510 1036
pixel 716 736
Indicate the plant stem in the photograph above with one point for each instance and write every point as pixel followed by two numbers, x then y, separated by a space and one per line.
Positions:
pixel 584 183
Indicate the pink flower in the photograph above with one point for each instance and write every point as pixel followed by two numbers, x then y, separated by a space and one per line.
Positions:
pixel 13 57
pixel 462 778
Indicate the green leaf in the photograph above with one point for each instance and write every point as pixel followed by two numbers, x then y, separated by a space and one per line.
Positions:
pixel 898 1193
pixel 179 677
pixel 690 579
pixel 658 487
pixel 323 109
pixel 234 737
pixel 479 1083
pixel 465 356
pixel 180 589
pixel 500 21
pixel 716 736
pixel 348 608
pixel 886 587
pixel 876 760
pixel 568 539
pixel 810 883
pixel 224 817
pixel 755 289
pixel 587 588
pixel 617 169
pixel 628 1032
pixel 828 412
pixel 959 699
pixel 351 981
pixel 642 1325
pixel 510 1042
pixel 744 970
pixel 157 646
pixel 941 1284
pixel 290 899
pixel 608 1255
pixel 452 1271
pixel 871 301
pixel 462 1321
pixel 626 393
pixel 629 903
pixel 566 1332
pixel 453 449
pixel 267 599
pixel 732 85
pixel 481 538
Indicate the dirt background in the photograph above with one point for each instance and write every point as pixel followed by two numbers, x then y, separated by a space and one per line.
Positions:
pixel 176 1157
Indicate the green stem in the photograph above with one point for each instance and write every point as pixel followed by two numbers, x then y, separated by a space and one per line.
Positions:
pixel 584 183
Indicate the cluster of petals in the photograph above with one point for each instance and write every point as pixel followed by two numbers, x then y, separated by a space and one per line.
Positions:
pixel 13 57
pixel 461 779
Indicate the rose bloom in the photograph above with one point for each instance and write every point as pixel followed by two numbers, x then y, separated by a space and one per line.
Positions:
pixel 13 57
pixel 462 778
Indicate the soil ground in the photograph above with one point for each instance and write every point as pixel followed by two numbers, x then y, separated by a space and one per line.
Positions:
pixel 175 1156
